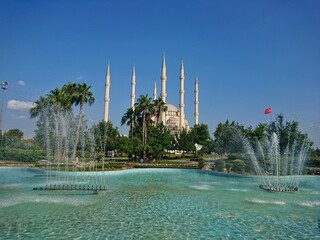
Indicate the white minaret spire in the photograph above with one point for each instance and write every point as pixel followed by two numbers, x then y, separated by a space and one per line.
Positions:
pixel 133 87
pixel 196 102
pixel 181 96
pixel 155 90
pixel 107 96
pixel 163 79
pixel 163 85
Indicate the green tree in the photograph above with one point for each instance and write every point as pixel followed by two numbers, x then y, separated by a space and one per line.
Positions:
pixel 42 111
pixel 129 119
pixel 256 134
pixel 184 142
pixel 159 139
pixel 143 111
pixel 125 146
pixel 52 112
pixel 40 104
pixel 55 121
pixel 158 107
pixel 287 132
pixel 14 133
pixel 220 139
pixel 81 95
pixel 57 97
pixel 226 138
pixel 106 136
pixel 67 115
pixel 200 135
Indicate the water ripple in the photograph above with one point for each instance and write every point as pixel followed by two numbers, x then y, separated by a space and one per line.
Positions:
pixel 261 201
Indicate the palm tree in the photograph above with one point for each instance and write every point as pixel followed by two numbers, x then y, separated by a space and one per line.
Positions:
pixel 81 95
pixel 56 97
pixel 41 110
pixel 143 109
pixel 159 106
pixel 129 119
pixel 40 104
pixel 66 103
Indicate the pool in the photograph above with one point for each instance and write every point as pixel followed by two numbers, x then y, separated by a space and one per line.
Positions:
pixel 157 204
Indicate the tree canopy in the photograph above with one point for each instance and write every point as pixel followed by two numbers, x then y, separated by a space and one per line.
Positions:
pixel 56 122
pixel 229 136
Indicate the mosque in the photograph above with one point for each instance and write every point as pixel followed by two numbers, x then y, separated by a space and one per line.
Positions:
pixel 174 118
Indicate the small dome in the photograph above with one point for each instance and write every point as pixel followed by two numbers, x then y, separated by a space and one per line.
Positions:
pixel 171 108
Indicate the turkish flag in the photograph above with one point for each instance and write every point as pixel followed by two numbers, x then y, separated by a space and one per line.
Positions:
pixel 268 111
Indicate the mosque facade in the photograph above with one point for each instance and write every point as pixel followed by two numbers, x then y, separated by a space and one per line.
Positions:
pixel 174 117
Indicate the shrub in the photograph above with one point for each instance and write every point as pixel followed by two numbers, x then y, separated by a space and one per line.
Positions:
pixel 313 162
pixel 201 163
pixel 238 166
pixel 219 165
pixel 234 156
pixel 20 155
pixel 229 166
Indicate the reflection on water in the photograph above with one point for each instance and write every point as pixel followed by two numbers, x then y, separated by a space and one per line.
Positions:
pixel 156 204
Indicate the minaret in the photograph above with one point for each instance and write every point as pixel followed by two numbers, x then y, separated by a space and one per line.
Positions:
pixel 155 90
pixel 107 96
pixel 181 96
pixel 163 85
pixel 133 87
pixel 196 102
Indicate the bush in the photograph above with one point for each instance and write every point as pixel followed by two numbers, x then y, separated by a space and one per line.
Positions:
pixel 312 171
pixel 201 163
pixel 20 155
pixel 229 166
pixel 238 166
pixel 232 157
pixel 219 165
pixel 313 162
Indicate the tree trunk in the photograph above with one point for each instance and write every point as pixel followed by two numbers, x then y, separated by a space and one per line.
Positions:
pixel 60 142
pixel 144 135
pixel 77 134
pixel 65 139
pixel 57 135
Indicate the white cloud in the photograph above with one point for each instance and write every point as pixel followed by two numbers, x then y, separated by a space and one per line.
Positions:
pixel 80 78
pixel 20 105
pixel 21 82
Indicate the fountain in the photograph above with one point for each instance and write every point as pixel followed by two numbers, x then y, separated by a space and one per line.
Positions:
pixel 278 171
pixel 61 173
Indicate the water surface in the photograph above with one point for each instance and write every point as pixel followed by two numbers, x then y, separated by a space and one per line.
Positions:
pixel 155 204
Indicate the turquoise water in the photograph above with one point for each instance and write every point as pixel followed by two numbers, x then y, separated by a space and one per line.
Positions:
pixel 156 204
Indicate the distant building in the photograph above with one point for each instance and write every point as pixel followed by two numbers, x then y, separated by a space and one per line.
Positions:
pixel 174 118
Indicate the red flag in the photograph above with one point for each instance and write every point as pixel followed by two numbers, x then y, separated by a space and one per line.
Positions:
pixel 268 111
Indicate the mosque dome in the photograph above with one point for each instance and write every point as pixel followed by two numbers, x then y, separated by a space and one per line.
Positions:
pixel 171 108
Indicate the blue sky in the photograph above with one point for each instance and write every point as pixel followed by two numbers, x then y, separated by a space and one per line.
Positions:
pixel 248 55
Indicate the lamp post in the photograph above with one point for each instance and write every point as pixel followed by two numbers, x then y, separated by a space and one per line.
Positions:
pixel 3 87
